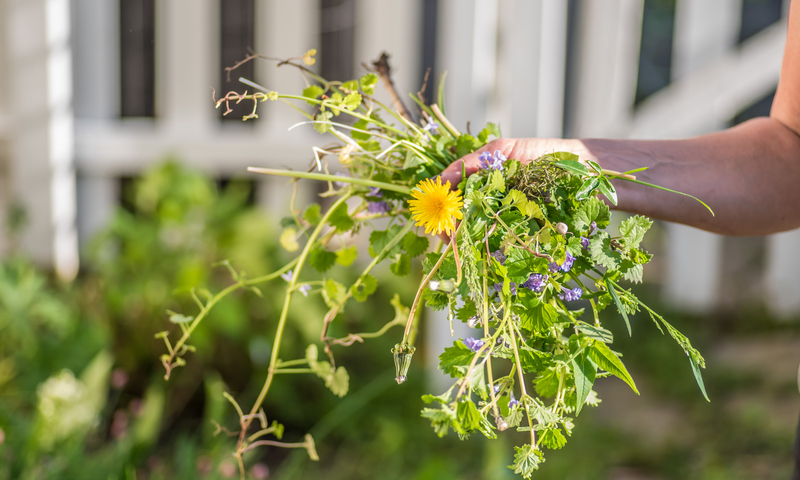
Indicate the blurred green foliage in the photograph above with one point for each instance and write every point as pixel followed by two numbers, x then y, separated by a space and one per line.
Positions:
pixel 82 393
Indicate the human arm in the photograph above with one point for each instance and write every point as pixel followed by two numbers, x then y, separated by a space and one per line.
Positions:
pixel 749 175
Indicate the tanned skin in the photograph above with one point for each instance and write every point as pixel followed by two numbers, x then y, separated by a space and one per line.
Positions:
pixel 749 174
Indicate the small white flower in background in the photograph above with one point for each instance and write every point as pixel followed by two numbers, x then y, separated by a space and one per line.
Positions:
pixel 287 276
pixel 304 288
pixel 65 409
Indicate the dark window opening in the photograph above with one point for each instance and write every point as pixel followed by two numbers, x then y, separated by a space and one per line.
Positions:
pixel 758 15
pixel 429 18
pixel 655 57
pixel 337 42
pixel 237 37
pixel 137 58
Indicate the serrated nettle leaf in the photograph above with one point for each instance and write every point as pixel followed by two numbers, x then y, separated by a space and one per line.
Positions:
pixel 441 418
pixel 514 197
pixel 633 229
pixel 457 355
pixel 414 245
pixel 552 438
pixel 592 210
pixel 312 214
pixel 465 144
pixel 631 271
pixel 365 287
pixel 442 399
pixel 350 85
pixel 477 383
pixel 323 117
pixel 352 101
pixel 574 247
pixel 338 382
pixel 379 239
pixel 601 252
pixel 435 300
pixel 547 382
pixel 401 266
pixel 334 293
pixel 321 259
pixel 511 166
pixel 467 311
pixel 413 160
pixel 574 167
pixel 539 317
pixel 469 418
pixel 346 256
pixel 526 460
pixel 606 359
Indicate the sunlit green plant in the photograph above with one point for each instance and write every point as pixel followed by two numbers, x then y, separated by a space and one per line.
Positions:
pixel 531 242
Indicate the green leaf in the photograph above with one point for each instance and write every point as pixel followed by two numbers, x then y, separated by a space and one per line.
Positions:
pixel 595 333
pixel 633 229
pixel 455 356
pixel 592 210
pixel 339 382
pixel 613 292
pixel 465 144
pixel 413 160
pixel 178 318
pixel 368 83
pixel 497 182
pixel 574 167
pixel 442 399
pixel 414 245
pixel 361 125
pixel 526 460
pixel 312 353
pixel 352 101
pixel 346 256
pixel 584 371
pixel 378 239
pixel 514 197
pixel 340 219
pixel 314 91
pixel 608 361
pixel 467 311
pixel 491 129
pixel 631 271
pixel 469 418
pixel 321 259
pixel 440 418
pixel 334 293
pixel 435 300
pixel 601 252
pixel 587 187
pixel 311 214
pixel 323 117
pixel 608 190
pixel 402 266
pixel 547 383
pixel 538 318
pixel 350 85
pixel 288 240
pixel 552 438
pixel 367 287
pixel 698 377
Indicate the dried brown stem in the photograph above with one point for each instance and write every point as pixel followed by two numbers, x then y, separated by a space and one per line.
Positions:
pixel 384 71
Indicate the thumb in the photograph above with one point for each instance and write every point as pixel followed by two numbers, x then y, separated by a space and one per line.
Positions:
pixel 471 163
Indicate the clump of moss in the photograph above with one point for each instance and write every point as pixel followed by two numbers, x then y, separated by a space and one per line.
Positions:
pixel 537 178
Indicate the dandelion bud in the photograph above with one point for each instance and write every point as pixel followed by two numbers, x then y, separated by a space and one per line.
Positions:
pixel 561 228
pixel 501 424
pixel 444 286
pixel 402 360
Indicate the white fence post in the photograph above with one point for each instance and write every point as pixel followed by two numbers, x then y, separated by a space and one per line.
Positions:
pixel 42 138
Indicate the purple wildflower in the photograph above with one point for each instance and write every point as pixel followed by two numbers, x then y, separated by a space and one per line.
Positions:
pixel 430 127
pixel 492 161
pixel 379 207
pixel 498 255
pixel 571 295
pixel 375 192
pixel 340 184
pixel 553 267
pixel 496 388
pixel 473 344
pixel 568 262
pixel 304 288
pixel 592 227
pixel 287 276
pixel 513 287
pixel 536 282
pixel 512 402
pixel 584 243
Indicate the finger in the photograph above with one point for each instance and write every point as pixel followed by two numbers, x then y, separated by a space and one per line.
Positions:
pixel 453 172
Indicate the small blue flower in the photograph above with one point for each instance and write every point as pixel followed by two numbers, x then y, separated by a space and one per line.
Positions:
pixel 304 288
pixel 430 127
pixel 512 402
pixel 496 389
pixel 492 161
pixel 378 207
pixel 536 282
pixel 473 343
pixel 375 192
pixel 571 295
pixel 498 255
pixel 584 243
pixel 287 276
pixel 568 262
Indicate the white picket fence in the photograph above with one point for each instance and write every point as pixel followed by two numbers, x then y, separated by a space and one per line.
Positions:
pixel 64 146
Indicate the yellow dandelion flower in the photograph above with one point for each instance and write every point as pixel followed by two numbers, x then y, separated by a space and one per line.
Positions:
pixel 435 206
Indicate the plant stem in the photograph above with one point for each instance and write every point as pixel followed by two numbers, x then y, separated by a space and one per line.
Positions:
pixel 276 344
pixel 521 379
pixel 330 178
